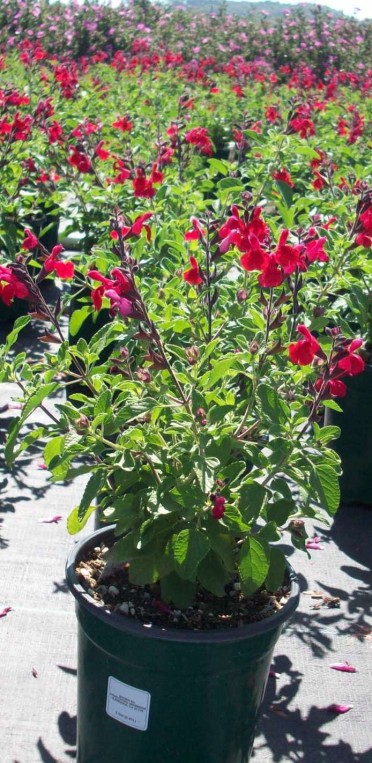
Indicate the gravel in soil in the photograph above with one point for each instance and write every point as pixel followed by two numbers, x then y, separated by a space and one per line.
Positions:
pixel 113 591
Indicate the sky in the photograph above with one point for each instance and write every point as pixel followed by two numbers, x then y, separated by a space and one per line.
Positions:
pixel 361 9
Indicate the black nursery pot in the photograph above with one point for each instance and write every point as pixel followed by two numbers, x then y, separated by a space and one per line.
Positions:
pixel 355 443
pixel 163 695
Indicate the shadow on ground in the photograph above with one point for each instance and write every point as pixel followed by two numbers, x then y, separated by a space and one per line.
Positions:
pixel 289 736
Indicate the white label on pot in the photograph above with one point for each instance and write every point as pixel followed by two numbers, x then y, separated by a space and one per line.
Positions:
pixel 127 704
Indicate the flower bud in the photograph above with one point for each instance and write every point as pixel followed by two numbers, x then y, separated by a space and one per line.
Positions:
pixel 82 424
pixel 241 295
pixel 143 374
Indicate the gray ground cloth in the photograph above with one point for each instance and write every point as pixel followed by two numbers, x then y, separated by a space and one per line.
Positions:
pixel 38 635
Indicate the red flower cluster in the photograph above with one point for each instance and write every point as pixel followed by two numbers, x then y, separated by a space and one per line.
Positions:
pixel 80 160
pixel 144 186
pixel 344 361
pixel 135 229
pixel 251 236
pixel 118 289
pixel 200 138
pixel 364 237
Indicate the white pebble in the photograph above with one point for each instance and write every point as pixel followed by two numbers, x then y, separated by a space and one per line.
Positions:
pixel 124 608
pixel 113 591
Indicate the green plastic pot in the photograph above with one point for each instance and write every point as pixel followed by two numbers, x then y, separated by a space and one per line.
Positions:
pixel 153 695
pixel 354 446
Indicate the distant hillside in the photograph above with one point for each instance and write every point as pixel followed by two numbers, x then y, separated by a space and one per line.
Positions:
pixel 242 8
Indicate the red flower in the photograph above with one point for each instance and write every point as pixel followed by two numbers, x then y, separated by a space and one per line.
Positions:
pixel 218 509
pixel 199 137
pixel 79 160
pixel 193 276
pixel 123 123
pixel 31 241
pixel 303 352
pixel 11 287
pixel 101 152
pixel 255 258
pixel 352 364
pixel 64 269
pixel 142 186
pixel 284 177
pixel 287 256
pixel 315 250
pixel 121 305
pixel 54 132
pixel 318 183
pixel 303 126
pixel 272 114
pixel 271 276
pixel 197 231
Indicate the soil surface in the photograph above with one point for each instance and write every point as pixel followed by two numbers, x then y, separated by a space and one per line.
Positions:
pixel 114 591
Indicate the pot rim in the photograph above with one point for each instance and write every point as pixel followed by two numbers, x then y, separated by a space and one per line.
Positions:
pixel 124 623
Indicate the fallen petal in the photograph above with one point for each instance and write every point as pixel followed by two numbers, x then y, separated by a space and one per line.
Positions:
pixel 314 545
pixel 339 709
pixel 51 520
pixel 41 465
pixel 343 666
pixel 272 674
pixel 4 612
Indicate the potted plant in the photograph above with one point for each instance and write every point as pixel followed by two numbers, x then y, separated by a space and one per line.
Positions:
pixel 200 432
pixel 353 411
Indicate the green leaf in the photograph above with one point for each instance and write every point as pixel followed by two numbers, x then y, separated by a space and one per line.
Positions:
pixel 103 403
pixel 328 487
pixel 36 398
pixel 251 499
pixel 328 433
pixel 286 192
pixel 77 319
pixel 188 548
pixel 218 167
pixel 175 589
pixel 279 511
pixel 253 565
pixel 234 520
pixel 19 324
pixel 53 448
pixel 275 576
pixel 123 549
pixel 221 543
pixel 96 481
pixel 29 439
pixel 218 371
pixel 272 405
pixel 76 522
pixel 333 405
pixel 212 574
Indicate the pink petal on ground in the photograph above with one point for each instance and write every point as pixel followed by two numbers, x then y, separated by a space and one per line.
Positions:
pixel 41 465
pixel 4 612
pixel 339 709
pixel 52 520
pixel 343 666
pixel 272 674
pixel 314 545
